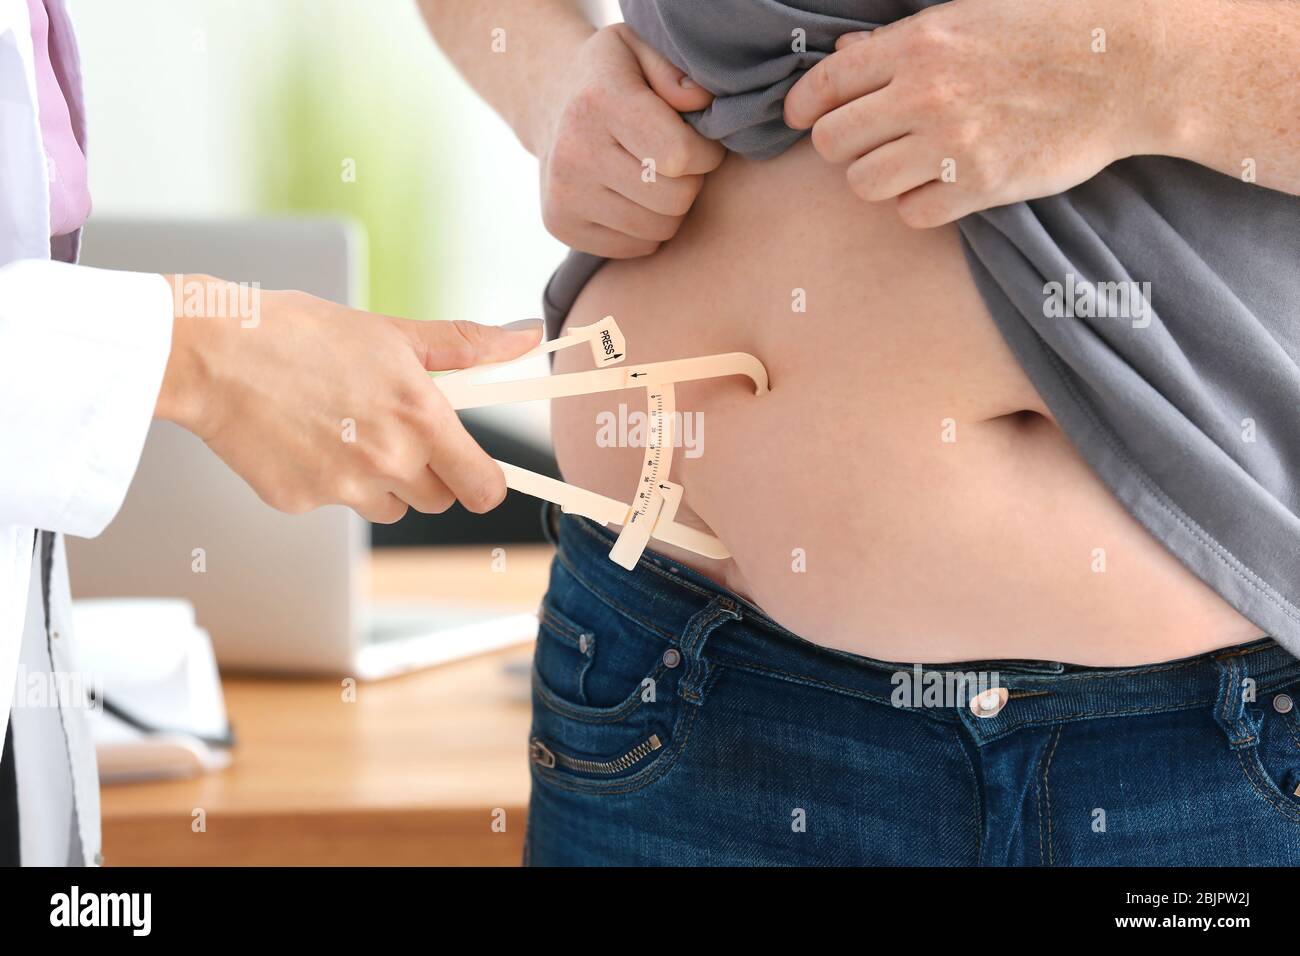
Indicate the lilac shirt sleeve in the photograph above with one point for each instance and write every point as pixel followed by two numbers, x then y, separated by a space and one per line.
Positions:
pixel 69 192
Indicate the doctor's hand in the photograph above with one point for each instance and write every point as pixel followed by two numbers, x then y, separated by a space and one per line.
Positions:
pixel 313 403
pixel 619 167
pixel 973 104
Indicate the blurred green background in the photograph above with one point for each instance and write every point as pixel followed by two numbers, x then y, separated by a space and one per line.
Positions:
pixel 344 128
pixel 238 107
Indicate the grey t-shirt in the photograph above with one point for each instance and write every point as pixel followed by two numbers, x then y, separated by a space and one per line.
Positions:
pixel 1155 307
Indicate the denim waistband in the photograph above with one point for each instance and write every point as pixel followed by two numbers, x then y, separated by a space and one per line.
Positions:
pixel 671 601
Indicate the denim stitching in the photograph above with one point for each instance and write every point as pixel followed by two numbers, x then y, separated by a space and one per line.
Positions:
pixel 1058 718
pixel 866 695
pixel 1245 735
pixel 1252 774
pixel 693 639
pixel 1288 721
pixel 610 602
pixel 1047 791
pixel 1242 651
pixel 1038 805
pixel 977 802
pixel 594 715
pixel 1126 672
pixel 805 680
pixel 566 628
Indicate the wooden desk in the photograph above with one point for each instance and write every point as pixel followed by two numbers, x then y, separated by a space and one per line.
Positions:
pixel 414 771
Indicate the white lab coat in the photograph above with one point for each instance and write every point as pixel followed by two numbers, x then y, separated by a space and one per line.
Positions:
pixel 82 353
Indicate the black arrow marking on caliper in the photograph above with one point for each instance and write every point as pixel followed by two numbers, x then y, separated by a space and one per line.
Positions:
pixel 636 374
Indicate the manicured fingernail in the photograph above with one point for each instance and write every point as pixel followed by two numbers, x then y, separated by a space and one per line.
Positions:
pixel 523 325
pixel 687 83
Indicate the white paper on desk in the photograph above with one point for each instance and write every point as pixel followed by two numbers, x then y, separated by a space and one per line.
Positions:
pixel 152 662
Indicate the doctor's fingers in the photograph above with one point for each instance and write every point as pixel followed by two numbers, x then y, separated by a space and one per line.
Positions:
pixel 426 492
pixel 381 507
pixel 473 477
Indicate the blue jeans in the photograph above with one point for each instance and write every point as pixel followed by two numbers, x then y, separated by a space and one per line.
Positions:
pixel 674 723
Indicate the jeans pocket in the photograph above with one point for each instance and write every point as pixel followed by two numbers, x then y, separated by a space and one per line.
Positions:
pixel 606 750
pixel 607 711
pixel 1273 765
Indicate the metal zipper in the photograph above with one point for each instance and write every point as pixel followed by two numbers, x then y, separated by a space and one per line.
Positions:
pixel 541 754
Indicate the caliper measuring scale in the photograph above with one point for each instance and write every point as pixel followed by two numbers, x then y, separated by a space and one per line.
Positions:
pixel 653 509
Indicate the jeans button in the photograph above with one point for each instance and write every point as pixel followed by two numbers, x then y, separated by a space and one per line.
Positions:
pixel 989 703
pixel 672 657
pixel 1283 703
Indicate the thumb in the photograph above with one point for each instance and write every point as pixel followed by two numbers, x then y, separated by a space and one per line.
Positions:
pixel 669 83
pixel 443 345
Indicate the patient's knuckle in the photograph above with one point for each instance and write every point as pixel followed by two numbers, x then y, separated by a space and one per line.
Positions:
pixel 982 168
pixel 588 100
pixel 713 153
pixel 689 187
pixel 570 153
pixel 602 246
pixel 630 247
pixel 657 227
pixel 827 138
pixel 918 212
pixel 679 202
pixel 963 135
pixel 866 179
pixel 675 155
pixel 859 181
pixel 860 55
pixel 555 218
pixel 825 82
pixel 926 37
pixel 864 193
pixel 666 228
pixel 941 94
pixel 931 100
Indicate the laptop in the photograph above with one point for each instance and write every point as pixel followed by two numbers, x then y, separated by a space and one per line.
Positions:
pixel 277 593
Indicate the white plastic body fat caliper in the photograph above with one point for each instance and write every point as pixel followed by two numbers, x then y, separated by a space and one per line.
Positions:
pixel 653 507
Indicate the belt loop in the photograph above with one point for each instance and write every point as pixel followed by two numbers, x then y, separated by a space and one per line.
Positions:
pixel 1232 715
pixel 718 612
